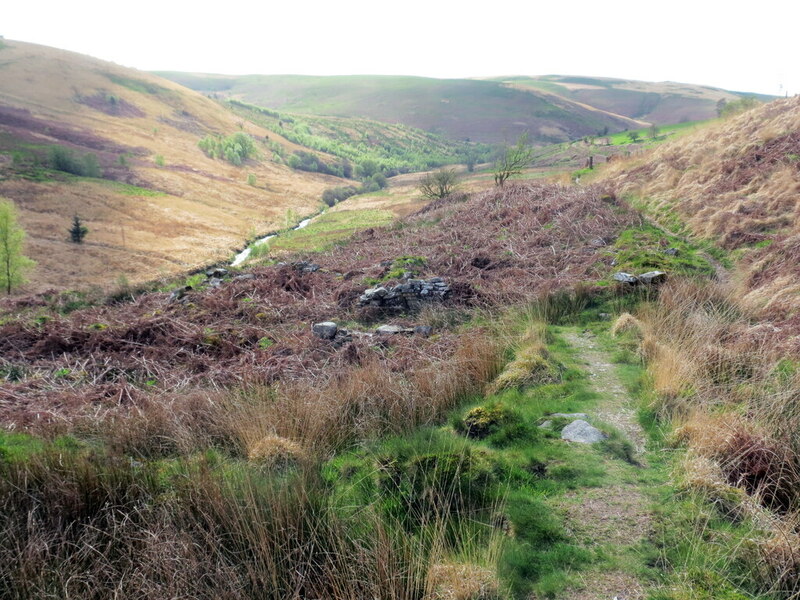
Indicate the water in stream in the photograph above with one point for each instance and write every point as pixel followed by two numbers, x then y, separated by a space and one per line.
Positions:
pixel 242 256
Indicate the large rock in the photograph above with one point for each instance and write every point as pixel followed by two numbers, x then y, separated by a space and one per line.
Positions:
pixel 653 277
pixel 625 278
pixel 393 330
pixel 325 330
pixel 582 432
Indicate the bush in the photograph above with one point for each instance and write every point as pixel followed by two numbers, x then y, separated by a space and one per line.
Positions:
pixel 64 159
pixel 439 184
pixel 235 148
pixel 482 421
pixel 333 196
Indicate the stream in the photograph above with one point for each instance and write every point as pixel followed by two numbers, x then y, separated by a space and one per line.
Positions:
pixel 242 256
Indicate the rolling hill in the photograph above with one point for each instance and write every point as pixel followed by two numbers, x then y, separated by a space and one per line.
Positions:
pixel 459 109
pixel 662 103
pixel 156 205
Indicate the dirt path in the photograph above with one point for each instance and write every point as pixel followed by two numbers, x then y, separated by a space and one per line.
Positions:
pixel 615 517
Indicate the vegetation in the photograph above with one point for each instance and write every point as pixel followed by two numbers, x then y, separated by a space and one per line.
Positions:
pixel 371 146
pixel 736 107
pixel 512 160
pixel 235 148
pixel 13 263
pixel 439 184
pixel 64 159
pixel 78 230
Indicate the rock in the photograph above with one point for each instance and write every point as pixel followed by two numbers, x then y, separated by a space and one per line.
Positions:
pixel 549 423
pixel 179 293
pixel 215 282
pixel 423 330
pixel 407 295
pixel 653 277
pixel 244 277
pixel 325 330
pixel 392 330
pixel 598 242
pixel 305 266
pixel 625 278
pixel 672 252
pixel 217 273
pixel 580 431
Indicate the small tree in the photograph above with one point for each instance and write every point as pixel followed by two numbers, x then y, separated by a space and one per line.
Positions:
pixel 654 131
pixel 633 136
pixel 78 231
pixel 512 160
pixel 13 263
pixel 439 184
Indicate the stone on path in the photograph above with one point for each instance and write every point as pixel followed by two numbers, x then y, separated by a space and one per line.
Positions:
pixel 580 431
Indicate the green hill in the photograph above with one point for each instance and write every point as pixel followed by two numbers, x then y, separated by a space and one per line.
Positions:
pixel 459 109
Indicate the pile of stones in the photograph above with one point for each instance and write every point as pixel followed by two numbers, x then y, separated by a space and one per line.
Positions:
pixel 408 295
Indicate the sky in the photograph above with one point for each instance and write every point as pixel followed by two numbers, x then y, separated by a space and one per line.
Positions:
pixel 729 44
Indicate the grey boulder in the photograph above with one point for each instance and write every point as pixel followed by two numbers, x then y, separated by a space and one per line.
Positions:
pixel 582 432
pixel 325 330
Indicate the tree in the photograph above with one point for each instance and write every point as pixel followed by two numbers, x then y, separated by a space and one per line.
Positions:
pixel 13 263
pixel 512 160
pixel 439 184
pixel 78 231
pixel 633 136
pixel 654 131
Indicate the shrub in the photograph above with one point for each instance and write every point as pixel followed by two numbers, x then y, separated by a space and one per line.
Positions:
pixel 439 184
pixel 234 148
pixel 482 421
pixel 64 159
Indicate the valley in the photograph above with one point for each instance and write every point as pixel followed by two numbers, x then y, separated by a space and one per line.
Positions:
pixel 577 382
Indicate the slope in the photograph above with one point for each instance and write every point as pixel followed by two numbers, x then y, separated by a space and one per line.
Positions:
pixel 157 204
pixel 661 103
pixel 735 182
pixel 484 111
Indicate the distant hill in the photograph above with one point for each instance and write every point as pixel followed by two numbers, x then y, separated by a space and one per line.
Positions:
pixel 661 103
pixel 459 109
pixel 160 205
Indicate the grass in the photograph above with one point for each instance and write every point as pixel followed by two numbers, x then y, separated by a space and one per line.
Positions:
pixel 643 248
pixel 665 132
pixel 329 229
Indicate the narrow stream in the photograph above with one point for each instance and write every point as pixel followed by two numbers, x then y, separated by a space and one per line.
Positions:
pixel 242 256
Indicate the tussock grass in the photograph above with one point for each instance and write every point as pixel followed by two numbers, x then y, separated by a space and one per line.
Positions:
pixel 730 394
pixel 531 364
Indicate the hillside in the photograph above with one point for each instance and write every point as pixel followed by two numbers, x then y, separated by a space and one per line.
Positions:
pixel 662 103
pixel 161 206
pixel 459 109
pixel 735 183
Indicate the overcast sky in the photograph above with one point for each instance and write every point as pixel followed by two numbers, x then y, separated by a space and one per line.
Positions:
pixel 730 44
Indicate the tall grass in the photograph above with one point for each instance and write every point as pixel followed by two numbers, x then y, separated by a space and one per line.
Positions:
pixel 718 376
pixel 91 527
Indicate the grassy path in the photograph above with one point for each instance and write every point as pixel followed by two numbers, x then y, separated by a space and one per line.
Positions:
pixel 613 519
